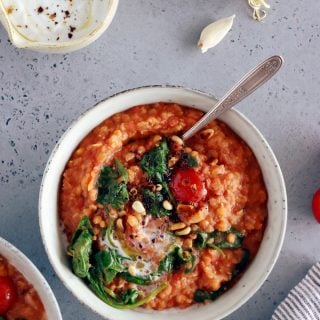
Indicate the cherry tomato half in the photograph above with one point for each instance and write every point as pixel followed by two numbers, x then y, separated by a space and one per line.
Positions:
pixel 316 205
pixel 7 294
pixel 188 186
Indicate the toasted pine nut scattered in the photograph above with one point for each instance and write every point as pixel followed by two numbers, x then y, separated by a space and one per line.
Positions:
pixel 207 133
pixel 158 187
pixel 231 238
pixel 185 208
pixel 133 192
pixel 210 241
pixel 167 205
pixel 132 270
pixel 183 232
pixel 97 219
pixel 132 221
pixel 129 156
pixel 177 226
pixel 141 149
pixel 113 214
pixel 119 224
pixel 137 206
pixel 177 140
pixel 172 161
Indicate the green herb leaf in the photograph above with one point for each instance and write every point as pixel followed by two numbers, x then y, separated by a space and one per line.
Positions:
pixel 201 295
pixel 153 203
pixel 174 260
pixel 81 248
pixel 155 164
pixel 108 264
pixel 116 302
pixel 130 296
pixel 144 281
pixel 218 239
pixel 188 160
pixel 112 188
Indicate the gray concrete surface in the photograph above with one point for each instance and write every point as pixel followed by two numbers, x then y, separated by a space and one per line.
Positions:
pixel 153 42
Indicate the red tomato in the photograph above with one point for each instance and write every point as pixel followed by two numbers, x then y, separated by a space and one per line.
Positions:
pixel 316 205
pixel 7 294
pixel 188 185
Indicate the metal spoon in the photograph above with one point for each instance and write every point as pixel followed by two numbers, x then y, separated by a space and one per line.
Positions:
pixel 248 84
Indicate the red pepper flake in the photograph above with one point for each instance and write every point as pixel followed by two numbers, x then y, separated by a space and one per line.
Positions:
pixel 72 29
pixel 40 10
pixel 70 35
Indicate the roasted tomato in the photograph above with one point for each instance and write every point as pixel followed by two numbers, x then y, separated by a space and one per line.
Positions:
pixel 187 185
pixel 7 294
pixel 316 205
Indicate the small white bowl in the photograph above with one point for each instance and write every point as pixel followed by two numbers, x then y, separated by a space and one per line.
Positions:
pixel 21 41
pixel 33 276
pixel 270 247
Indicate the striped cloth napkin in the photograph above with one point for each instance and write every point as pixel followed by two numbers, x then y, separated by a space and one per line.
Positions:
pixel 303 301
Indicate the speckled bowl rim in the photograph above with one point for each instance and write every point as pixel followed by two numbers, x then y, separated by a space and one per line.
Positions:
pixel 24 265
pixel 233 298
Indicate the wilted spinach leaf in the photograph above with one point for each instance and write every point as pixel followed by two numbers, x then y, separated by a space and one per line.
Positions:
pixel 81 247
pixel 174 260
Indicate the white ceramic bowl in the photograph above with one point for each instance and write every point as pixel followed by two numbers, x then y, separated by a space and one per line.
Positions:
pixel 268 253
pixel 21 41
pixel 33 276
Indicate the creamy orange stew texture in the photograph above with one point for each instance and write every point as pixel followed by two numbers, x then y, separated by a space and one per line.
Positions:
pixel 235 199
pixel 26 302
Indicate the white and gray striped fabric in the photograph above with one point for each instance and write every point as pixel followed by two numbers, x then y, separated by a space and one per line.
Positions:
pixel 303 301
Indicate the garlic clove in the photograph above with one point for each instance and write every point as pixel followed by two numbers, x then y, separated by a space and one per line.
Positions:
pixel 214 33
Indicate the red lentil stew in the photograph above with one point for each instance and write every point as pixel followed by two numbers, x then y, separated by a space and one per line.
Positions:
pixel 156 222
pixel 18 298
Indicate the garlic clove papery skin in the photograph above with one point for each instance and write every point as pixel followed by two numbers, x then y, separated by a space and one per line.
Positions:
pixel 214 33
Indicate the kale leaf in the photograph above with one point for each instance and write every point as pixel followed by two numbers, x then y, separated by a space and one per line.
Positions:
pixel 153 203
pixel 112 186
pixel 188 160
pixel 155 164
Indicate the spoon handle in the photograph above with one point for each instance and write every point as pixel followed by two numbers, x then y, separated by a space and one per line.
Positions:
pixel 248 84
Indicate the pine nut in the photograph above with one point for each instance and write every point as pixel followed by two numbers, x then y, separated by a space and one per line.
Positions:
pixel 158 187
pixel 129 156
pixel 177 226
pixel 167 205
pixel 132 221
pixel 172 161
pixel 133 192
pixel 207 133
pixel 231 238
pixel 183 232
pixel 97 219
pixel 177 140
pixel 137 206
pixel 119 224
pixel 132 270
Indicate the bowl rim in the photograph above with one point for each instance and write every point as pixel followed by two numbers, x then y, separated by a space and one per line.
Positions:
pixel 29 269
pixel 259 282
